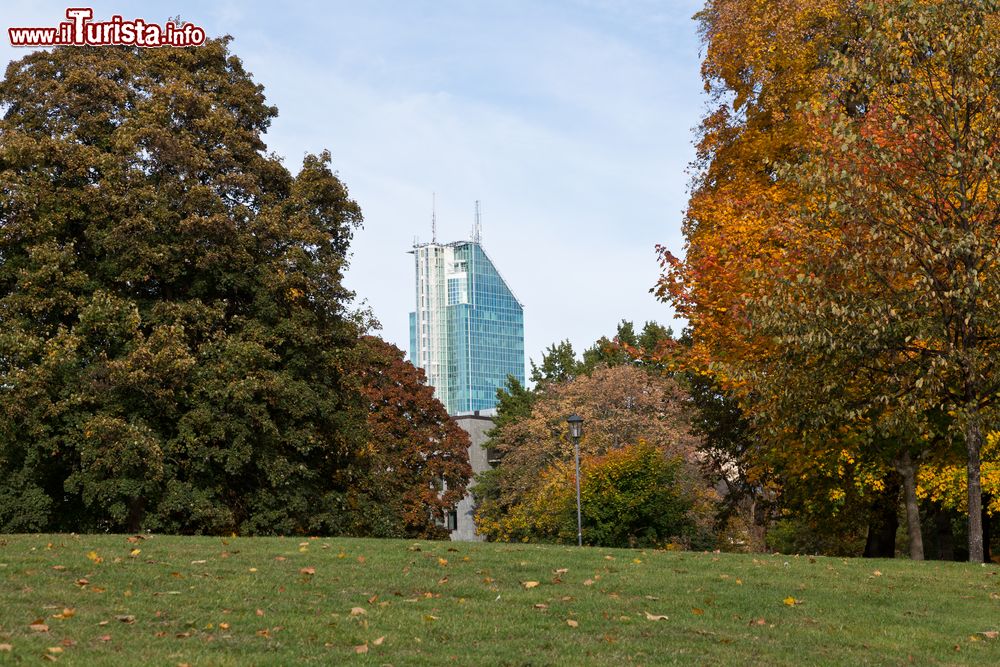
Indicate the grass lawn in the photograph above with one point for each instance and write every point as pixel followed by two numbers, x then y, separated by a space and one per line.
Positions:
pixel 105 600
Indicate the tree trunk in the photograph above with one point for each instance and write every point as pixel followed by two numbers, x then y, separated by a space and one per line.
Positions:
pixel 907 468
pixel 945 537
pixel 973 445
pixel 987 556
pixel 136 512
pixel 881 542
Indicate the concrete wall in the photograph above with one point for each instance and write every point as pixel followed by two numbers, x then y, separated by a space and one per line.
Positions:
pixel 476 426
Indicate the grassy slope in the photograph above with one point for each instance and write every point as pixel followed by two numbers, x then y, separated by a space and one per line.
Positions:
pixel 207 601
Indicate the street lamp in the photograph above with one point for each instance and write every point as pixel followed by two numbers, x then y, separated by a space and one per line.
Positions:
pixel 575 422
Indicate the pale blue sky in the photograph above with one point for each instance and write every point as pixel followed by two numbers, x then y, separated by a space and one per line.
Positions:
pixel 571 121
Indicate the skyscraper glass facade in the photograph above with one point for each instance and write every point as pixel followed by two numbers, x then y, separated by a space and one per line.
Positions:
pixel 467 331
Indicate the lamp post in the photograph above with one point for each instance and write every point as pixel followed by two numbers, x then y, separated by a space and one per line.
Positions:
pixel 575 422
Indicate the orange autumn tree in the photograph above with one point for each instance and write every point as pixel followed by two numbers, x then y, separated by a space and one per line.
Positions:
pixel 868 332
pixel 764 61
pixel 416 461
pixel 907 178
pixel 621 405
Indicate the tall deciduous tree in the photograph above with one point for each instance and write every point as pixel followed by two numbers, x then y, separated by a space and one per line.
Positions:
pixel 904 179
pixel 620 405
pixel 174 331
pixel 418 464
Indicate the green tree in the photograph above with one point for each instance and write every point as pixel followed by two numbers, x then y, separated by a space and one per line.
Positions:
pixel 175 331
pixel 559 363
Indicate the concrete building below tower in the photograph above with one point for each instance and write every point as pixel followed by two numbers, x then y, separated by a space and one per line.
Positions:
pixel 477 425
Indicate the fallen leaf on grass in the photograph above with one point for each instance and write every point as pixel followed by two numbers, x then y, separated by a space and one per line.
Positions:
pixel 361 560
pixel 442 562
pixel 94 557
pixel 655 617
pixel 55 649
pixel 260 612
pixel 876 573
pixel 758 621
pixel 82 582
pixel 6 647
pixel 58 568
pixel 698 612
pixel 571 623
pixel 125 618
pixel 990 634
pixel 223 626
pixel 791 602
pixel 541 605
pixel 202 562
pixel 134 553
pixel 429 617
pixel 361 649
pixel 529 584
pixel 358 611
pixel 588 582
pixel 562 570
pixel 308 571
pixel 378 642
pixel 68 612
pixel 38 626
pixel 104 638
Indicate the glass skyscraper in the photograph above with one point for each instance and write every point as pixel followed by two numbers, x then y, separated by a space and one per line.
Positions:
pixel 467 331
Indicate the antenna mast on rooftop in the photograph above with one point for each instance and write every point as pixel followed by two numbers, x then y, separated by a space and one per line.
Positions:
pixel 477 229
pixel 434 220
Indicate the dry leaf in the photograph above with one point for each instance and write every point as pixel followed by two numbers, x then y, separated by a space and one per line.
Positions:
pixel 134 552
pixel 58 568
pixel 308 570
pixel 588 582
pixel 223 626
pixel 759 621
pixel 125 618
pixel 877 573
pixel 104 638
pixel 571 623
pixel 698 612
pixel 358 611
pixel 428 617
pixel 94 557
pixel 6 647
pixel 562 570
pixel 202 562
pixel 55 649
pixel 442 561
pixel 361 649
pixel 655 617
pixel 260 612
pixel 39 626
pixel 990 634
pixel 378 642
pixel 361 559
pixel 541 605
pixel 791 602
pixel 529 584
